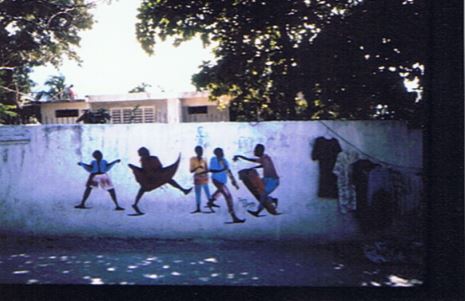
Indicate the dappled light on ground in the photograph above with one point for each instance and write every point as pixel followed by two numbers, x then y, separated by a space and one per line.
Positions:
pixel 186 263
pixel 392 281
pixel 401 282
pixel 213 260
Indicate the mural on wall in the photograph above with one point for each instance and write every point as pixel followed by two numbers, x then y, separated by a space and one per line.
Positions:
pixel 373 190
pixel 152 175
pixel 361 204
pixel 98 177
pixel 199 166
pixel 260 188
pixel 325 150
pixel 219 167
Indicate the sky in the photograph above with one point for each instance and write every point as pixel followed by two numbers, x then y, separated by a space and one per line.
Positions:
pixel 114 62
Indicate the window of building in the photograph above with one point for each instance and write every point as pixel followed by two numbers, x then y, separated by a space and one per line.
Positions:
pixel 133 115
pixel 66 113
pixel 197 110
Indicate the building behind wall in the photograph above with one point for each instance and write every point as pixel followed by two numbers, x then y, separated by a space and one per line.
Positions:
pixel 196 108
pixel 139 108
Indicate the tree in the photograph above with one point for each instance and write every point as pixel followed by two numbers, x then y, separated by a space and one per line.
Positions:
pixel 301 59
pixel 57 89
pixel 140 88
pixel 7 112
pixel 35 32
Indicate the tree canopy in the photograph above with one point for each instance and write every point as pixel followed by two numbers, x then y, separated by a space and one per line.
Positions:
pixel 57 89
pixel 302 59
pixel 36 32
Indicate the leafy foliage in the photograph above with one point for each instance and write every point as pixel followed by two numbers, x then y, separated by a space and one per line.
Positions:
pixel 140 88
pixel 57 89
pixel 93 117
pixel 35 32
pixel 6 113
pixel 301 59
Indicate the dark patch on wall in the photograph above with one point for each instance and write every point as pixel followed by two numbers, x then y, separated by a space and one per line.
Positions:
pixel 77 139
pixel 52 128
pixel 23 154
pixel 5 155
pixel 48 130
pixel 284 140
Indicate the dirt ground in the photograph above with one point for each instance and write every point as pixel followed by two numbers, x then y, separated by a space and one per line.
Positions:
pixel 100 261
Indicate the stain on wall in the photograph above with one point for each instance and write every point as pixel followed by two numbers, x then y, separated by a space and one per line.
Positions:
pixel 77 140
pixel 5 155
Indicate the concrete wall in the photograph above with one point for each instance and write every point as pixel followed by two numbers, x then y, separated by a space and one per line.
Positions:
pixel 40 181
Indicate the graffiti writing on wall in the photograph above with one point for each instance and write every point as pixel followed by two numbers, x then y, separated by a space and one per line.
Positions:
pixel 14 136
pixel 246 143
pixel 245 203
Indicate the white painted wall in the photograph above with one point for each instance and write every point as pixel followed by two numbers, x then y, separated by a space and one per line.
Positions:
pixel 40 181
pixel 173 110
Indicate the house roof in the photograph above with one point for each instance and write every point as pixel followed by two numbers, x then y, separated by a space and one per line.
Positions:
pixel 194 94
pixel 144 96
pixel 126 97
pixel 134 97
pixel 60 101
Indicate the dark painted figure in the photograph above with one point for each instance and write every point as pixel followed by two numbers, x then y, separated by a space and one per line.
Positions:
pixel 98 177
pixel 325 151
pixel 152 175
pixel 219 167
pixel 269 182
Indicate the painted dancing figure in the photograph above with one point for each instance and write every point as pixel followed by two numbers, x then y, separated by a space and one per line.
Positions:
pixel 198 166
pixel 98 177
pixel 219 168
pixel 152 175
pixel 269 182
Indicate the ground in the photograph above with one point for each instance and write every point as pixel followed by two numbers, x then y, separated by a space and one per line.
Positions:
pixel 99 261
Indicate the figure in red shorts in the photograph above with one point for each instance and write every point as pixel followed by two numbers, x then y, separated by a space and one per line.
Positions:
pixel 98 177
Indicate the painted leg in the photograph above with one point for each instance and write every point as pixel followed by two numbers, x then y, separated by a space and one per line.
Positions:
pixel 136 202
pixel 270 184
pixel 206 190
pixel 229 203
pixel 176 185
pixel 211 201
pixel 113 197
pixel 197 189
pixel 84 198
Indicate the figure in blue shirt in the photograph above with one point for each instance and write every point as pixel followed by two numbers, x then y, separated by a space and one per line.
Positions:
pixel 219 168
pixel 98 177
